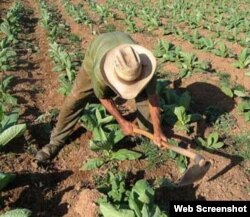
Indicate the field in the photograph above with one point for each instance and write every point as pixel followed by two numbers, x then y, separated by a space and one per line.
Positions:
pixel 203 54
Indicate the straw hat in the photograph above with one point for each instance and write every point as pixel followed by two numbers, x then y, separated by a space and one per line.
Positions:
pixel 127 68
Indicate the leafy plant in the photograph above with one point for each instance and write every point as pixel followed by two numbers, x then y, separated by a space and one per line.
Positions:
pixel 76 11
pixel 153 154
pixel 131 25
pixel 6 99
pixel 176 107
pixel 211 143
pixel 106 134
pixel 190 63
pixel 243 59
pixel 5 179
pixel 244 108
pixel 7 54
pixel 165 51
pixel 180 160
pixel 222 50
pixel 9 129
pixel 183 118
pixel 135 202
pixel 17 213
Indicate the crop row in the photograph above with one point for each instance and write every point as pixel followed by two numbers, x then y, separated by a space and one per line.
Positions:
pixel 10 128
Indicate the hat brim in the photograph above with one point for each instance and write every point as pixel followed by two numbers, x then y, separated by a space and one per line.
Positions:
pixel 129 90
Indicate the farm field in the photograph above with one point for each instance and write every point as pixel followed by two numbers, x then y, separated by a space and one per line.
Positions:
pixel 203 55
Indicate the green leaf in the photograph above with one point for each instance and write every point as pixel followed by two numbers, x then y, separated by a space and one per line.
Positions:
pixel 247 73
pixel 201 141
pixel 5 179
pixel 125 154
pixel 218 145
pixel 143 192
pixel 228 91
pixel 17 213
pixel 240 93
pixel 12 132
pixel 212 138
pixel 93 164
pixel 109 210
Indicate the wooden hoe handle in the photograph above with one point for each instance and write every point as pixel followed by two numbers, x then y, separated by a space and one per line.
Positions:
pixel 196 157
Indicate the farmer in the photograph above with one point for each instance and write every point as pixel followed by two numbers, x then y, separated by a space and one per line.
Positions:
pixel 114 65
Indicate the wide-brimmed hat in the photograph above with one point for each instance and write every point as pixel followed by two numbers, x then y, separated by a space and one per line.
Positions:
pixel 128 68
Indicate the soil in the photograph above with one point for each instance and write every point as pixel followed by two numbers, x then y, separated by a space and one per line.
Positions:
pixel 61 188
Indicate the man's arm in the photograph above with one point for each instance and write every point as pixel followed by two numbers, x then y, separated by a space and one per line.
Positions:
pixel 155 112
pixel 127 127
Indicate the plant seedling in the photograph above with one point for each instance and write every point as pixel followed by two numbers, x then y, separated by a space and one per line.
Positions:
pixel 211 143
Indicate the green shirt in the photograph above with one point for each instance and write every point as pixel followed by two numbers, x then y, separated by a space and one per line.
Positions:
pixel 92 62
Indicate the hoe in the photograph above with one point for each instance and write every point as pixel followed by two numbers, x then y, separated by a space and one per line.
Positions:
pixel 195 172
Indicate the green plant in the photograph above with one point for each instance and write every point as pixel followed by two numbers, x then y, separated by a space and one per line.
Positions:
pixel 225 123
pixel 106 134
pixel 131 25
pixel 183 119
pixel 165 51
pixel 243 59
pixel 17 213
pixel 211 143
pixel 222 50
pixel 6 56
pixel 6 99
pixel 153 154
pixel 180 160
pixel 244 108
pixel 135 202
pixel 239 144
pixel 176 107
pixel 9 129
pixel 5 179
pixel 190 63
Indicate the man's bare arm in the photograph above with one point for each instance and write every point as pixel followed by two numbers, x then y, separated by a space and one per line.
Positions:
pixel 155 112
pixel 127 127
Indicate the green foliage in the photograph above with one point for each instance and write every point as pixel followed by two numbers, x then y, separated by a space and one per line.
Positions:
pixel 106 134
pixel 176 107
pixel 9 129
pixel 243 59
pixel 190 63
pixel 155 156
pixel 6 56
pixel 239 144
pixel 222 50
pixel 137 201
pixel 76 11
pixel 225 123
pixel 5 179
pixel 244 108
pixel 6 99
pixel 166 51
pixel 17 213
pixel 180 160
pixel 211 143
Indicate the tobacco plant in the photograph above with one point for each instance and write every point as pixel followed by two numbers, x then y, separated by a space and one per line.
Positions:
pixel 129 201
pixel 211 142
pixel 243 59
pixel 106 134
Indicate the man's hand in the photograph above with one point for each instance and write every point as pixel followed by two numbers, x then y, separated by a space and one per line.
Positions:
pixel 127 128
pixel 159 137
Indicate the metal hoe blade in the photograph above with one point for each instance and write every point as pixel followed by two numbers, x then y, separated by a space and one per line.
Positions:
pixel 194 174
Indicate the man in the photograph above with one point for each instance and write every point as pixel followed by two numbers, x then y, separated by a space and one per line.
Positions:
pixel 113 64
